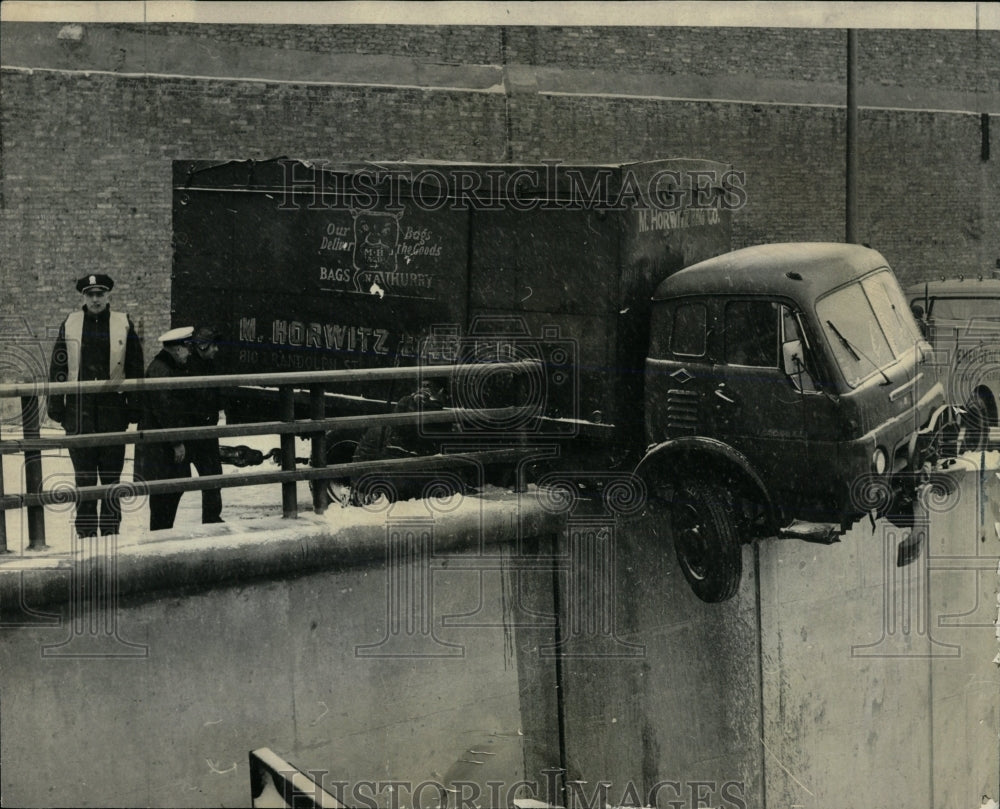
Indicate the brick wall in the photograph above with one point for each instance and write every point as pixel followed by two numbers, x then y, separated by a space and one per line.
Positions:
pixel 87 157
pixel 87 167
pixel 445 43
pixel 923 193
pixel 956 60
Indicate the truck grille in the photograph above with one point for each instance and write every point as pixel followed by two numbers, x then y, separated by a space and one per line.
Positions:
pixel 682 411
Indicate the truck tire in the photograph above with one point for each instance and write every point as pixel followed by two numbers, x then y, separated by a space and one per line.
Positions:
pixel 338 490
pixel 706 540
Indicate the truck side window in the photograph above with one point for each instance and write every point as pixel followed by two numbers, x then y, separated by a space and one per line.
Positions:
pixel 688 337
pixel 796 356
pixel 752 333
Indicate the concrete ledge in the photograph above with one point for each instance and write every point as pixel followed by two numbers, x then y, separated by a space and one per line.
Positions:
pixel 272 548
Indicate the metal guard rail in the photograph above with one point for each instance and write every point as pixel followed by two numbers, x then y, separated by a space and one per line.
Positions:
pixel 139 488
pixel 337 424
pixel 317 426
pixel 276 380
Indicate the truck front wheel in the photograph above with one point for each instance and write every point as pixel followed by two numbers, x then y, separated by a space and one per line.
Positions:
pixel 706 540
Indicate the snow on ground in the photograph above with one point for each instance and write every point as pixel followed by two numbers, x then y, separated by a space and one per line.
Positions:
pixel 240 504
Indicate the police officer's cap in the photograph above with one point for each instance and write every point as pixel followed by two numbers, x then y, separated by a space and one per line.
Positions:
pixel 177 336
pixel 206 334
pixel 95 281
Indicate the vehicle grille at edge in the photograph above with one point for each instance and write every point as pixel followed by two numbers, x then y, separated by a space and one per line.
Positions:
pixel 682 410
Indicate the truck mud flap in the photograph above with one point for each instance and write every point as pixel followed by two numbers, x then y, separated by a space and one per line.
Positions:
pixel 825 533
pixel 909 550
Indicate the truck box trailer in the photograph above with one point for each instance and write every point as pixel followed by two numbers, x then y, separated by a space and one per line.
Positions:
pixel 310 266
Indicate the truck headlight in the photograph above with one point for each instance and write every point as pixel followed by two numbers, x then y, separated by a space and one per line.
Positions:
pixel 880 461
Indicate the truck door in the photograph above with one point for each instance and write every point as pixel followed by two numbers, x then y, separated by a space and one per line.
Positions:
pixel 767 404
pixel 679 370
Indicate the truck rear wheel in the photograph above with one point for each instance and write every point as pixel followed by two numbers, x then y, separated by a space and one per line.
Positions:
pixel 338 490
pixel 706 540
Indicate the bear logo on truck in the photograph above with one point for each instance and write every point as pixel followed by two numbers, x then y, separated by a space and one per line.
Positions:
pixel 376 235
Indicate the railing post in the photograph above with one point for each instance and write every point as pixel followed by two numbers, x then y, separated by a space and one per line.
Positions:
pixel 289 499
pixel 33 473
pixel 317 410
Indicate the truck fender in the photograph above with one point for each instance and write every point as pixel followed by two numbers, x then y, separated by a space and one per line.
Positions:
pixel 920 442
pixel 680 452
pixel 942 414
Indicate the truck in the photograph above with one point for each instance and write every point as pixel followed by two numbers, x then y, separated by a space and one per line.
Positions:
pixel 960 317
pixel 774 390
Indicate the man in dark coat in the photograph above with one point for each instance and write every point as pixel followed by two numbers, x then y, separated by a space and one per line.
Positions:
pixel 206 404
pixel 164 409
pixel 96 343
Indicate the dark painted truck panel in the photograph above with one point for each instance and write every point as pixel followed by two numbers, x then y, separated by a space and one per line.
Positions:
pixel 314 266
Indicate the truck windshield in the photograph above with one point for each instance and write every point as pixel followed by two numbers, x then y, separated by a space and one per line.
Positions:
pixel 965 308
pixel 868 325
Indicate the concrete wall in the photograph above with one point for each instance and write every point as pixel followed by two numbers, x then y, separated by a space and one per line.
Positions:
pixel 378 650
pixel 833 678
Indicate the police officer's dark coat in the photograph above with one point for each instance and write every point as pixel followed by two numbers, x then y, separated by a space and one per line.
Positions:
pixel 163 409
pixel 207 402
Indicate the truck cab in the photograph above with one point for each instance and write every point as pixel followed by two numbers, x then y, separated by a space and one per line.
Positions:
pixel 785 394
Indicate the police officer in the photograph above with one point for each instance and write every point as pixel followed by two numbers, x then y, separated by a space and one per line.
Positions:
pixel 163 409
pixel 206 404
pixel 96 343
